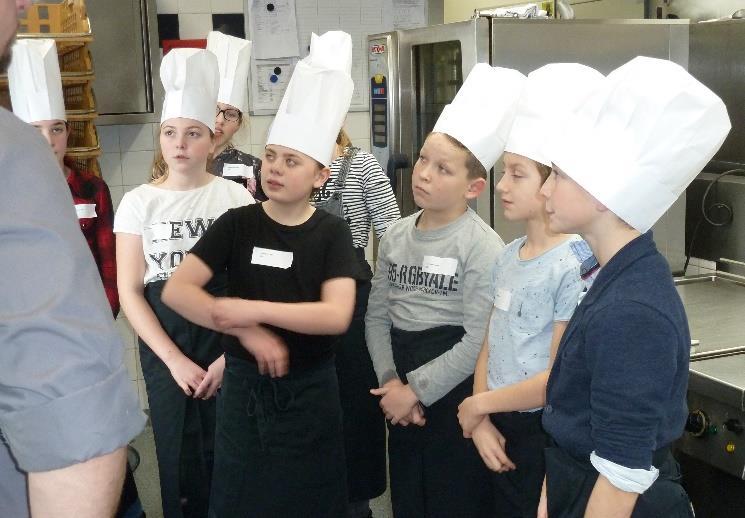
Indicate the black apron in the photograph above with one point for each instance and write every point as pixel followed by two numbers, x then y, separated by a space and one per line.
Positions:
pixel 364 423
pixel 183 427
pixel 278 447
pixel 435 472
pixel 569 483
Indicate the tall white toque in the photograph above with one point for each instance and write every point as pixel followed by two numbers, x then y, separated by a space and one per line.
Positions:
pixel 190 78
pixel 481 114
pixel 551 92
pixel 233 60
pixel 317 98
pixel 645 133
pixel 36 82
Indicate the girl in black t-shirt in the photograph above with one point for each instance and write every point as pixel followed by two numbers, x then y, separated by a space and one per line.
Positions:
pixel 291 268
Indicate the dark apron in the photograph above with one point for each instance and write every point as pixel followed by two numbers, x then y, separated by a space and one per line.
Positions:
pixel 517 492
pixel 435 472
pixel 364 423
pixel 569 483
pixel 278 447
pixel 183 427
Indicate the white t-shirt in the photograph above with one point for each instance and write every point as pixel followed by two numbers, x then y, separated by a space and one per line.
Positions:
pixel 171 222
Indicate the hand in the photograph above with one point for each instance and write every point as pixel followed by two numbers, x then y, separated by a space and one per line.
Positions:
pixel 188 375
pixel 231 312
pixel 491 446
pixel 269 350
pixel 543 502
pixel 397 401
pixel 213 380
pixel 469 415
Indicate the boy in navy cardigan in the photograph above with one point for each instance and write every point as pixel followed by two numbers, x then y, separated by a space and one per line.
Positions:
pixel 616 393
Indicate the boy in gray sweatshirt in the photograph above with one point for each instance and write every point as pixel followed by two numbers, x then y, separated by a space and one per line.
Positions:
pixel 430 303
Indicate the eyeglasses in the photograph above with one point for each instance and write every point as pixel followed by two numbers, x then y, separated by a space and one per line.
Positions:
pixel 229 114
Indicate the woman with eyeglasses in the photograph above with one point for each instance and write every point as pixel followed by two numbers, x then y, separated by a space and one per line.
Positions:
pixel 229 161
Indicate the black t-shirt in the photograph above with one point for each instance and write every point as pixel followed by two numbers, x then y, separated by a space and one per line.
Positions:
pixel 319 249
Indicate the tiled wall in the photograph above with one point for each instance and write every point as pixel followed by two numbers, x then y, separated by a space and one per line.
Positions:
pixel 128 149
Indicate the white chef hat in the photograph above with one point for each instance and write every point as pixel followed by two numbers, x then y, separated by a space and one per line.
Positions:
pixel 317 98
pixel 646 133
pixel 191 80
pixel 550 92
pixel 233 60
pixel 36 82
pixel 481 114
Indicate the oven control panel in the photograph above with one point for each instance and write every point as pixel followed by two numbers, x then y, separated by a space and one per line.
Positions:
pixel 715 434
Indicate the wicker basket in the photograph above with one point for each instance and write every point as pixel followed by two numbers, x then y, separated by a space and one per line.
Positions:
pixel 79 98
pixel 83 135
pixel 76 60
pixel 68 16
pixel 85 160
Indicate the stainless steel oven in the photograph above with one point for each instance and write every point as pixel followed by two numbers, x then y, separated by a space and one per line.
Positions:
pixel 422 70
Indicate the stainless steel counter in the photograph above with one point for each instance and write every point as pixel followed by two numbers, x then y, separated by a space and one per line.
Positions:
pixel 715 306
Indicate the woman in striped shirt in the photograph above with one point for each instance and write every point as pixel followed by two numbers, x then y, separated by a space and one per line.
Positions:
pixel 359 192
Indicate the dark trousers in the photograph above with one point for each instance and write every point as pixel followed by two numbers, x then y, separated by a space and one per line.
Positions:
pixel 517 492
pixel 279 450
pixel 183 427
pixel 364 423
pixel 434 471
pixel 569 483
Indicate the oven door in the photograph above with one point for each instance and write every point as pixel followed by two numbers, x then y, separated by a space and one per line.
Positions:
pixel 433 61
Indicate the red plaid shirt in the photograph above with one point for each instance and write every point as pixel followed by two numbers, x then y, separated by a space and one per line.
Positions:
pixel 86 188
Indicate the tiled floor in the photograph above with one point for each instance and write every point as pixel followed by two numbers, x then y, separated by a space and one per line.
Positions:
pixel 148 485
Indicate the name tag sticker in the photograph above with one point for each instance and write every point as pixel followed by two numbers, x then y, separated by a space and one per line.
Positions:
pixel 86 210
pixel 439 265
pixel 269 257
pixel 238 171
pixel 502 300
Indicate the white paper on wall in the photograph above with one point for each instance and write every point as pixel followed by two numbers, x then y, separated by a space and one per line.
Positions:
pixel 273 27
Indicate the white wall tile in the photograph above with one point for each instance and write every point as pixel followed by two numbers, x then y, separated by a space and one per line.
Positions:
pixel 259 127
pixel 167 6
pixel 117 193
pixel 257 151
pixel 227 6
pixel 136 137
pixel 194 26
pixel 363 144
pixel 108 137
pixel 111 168
pixel 136 167
pixel 156 135
pixel 193 6
pixel 357 125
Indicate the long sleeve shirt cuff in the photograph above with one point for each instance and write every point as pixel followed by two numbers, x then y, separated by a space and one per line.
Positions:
pixel 626 479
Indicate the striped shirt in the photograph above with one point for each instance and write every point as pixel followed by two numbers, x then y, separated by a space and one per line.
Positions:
pixel 367 197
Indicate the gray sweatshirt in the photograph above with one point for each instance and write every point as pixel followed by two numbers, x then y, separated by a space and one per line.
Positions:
pixel 426 279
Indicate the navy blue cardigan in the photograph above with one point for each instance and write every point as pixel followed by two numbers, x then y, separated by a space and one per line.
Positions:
pixel 618 385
